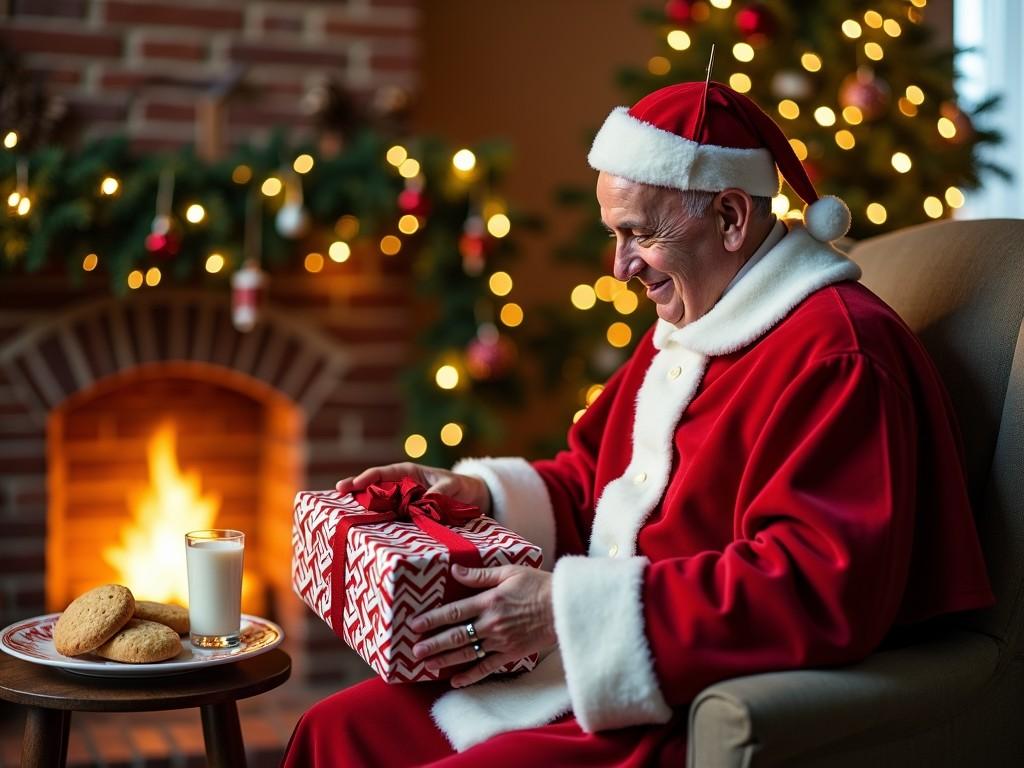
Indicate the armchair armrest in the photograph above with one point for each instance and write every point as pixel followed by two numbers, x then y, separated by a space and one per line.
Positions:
pixel 770 719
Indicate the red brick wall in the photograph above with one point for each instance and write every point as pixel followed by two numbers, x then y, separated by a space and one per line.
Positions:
pixel 138 66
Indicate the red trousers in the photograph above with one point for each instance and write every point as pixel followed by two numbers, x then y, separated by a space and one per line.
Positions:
pixel 389 726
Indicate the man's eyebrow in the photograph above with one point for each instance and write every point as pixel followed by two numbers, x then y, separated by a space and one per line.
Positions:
pixel 626 225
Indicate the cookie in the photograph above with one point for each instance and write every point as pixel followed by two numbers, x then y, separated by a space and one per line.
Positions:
pixel 92 619
pixel 141 642
pixel 173 616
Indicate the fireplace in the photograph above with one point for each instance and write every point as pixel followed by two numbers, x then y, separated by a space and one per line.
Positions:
pixel 103 398
pixel 143 455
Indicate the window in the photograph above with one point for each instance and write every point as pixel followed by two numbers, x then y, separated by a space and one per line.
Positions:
pixel 994 28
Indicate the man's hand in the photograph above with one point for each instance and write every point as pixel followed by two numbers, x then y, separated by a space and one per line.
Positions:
pixel 511 620
pixel 469 490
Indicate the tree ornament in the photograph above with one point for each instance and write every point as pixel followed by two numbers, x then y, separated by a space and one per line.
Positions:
pixel 679 12
pixel 163 239
pixel 412 199
pixel 866 92
pixel 489 356
pixel 756 24
pixel 473 244
pixel 249 283
pixel 292 220
pixel 248 289
pixel 791 84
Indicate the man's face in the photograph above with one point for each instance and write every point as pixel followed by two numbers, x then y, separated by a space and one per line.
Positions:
pixel 681 261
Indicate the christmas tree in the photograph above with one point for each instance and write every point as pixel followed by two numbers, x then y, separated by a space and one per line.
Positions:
pixel 866 98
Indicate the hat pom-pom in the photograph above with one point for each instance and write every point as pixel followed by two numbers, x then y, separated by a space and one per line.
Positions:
pixel 827 219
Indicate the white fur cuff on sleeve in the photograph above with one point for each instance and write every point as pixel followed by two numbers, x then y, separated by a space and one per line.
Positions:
pixel 468 716
pixel 599 619
pixel 519 499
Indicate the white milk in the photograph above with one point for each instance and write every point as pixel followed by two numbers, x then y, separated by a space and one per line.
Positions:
pixel 214 587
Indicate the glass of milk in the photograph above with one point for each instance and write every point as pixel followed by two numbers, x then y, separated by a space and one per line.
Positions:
pixel 214 561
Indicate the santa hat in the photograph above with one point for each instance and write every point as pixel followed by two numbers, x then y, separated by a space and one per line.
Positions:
pixel 706 136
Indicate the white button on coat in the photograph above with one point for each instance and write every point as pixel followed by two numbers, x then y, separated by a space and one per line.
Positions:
pixel 640 478
pixel 674 373
pixel 613 550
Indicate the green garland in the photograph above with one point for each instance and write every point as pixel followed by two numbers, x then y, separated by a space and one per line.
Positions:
pixel 69 217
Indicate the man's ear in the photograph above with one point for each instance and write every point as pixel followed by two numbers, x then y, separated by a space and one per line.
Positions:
pixel 733 209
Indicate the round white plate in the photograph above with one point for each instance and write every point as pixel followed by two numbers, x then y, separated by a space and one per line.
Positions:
pixel 32 640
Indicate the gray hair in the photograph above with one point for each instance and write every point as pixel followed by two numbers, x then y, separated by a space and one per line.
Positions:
pixel 696 203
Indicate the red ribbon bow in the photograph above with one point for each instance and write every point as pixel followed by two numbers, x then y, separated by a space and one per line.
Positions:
pixel 405 500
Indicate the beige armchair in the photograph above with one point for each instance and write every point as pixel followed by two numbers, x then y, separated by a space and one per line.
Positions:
pixel 955 697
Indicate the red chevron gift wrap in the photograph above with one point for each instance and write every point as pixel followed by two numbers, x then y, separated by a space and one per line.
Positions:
pixel 393 571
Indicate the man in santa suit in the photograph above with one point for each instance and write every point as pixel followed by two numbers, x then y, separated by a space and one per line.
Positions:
pixel 773 480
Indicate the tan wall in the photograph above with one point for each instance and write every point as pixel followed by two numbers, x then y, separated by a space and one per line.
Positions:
pixel 542 76
pixel 539 73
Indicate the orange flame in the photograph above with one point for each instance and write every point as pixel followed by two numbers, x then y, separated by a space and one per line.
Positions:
pixel 150 559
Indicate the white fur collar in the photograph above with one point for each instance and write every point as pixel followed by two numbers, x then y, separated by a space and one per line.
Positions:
pixel 785 276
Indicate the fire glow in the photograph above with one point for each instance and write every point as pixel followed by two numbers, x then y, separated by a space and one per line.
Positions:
pixel 150 558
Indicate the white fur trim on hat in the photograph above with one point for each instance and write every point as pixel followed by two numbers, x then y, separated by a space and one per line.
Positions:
pixel 639 151
pixel 827 218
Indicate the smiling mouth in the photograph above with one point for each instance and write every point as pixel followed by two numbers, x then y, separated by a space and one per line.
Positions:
pixel 653 288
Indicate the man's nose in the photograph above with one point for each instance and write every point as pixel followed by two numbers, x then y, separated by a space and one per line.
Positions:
pixel 626 266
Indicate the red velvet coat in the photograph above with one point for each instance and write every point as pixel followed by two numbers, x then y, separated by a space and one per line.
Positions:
pixel 772 486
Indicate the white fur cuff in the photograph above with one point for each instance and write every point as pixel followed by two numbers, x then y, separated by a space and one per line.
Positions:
pixel 468 716
pixel 519 499
pixel 599 619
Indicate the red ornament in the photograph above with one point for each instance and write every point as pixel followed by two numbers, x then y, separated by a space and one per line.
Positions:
pixel 163 240
pixel 164 246
pixel 490 355
pixel 413 201
pixel 473 245
pixel 472 248
pixel 679 12
pixel 866 92
pixel 756 24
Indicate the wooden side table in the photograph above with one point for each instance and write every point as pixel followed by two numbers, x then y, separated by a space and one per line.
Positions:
pixel 50 695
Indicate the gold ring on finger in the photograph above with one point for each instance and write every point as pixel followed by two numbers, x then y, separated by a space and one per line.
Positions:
pixel 479 650
pixel 471 631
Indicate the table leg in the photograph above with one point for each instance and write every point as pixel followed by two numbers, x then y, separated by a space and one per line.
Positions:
pixel 45 741
pixel 223 735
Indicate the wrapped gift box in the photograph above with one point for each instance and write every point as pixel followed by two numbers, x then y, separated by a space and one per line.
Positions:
pixel 393 570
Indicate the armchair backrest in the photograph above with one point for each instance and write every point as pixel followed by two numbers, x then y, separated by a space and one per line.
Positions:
pixel 960 286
